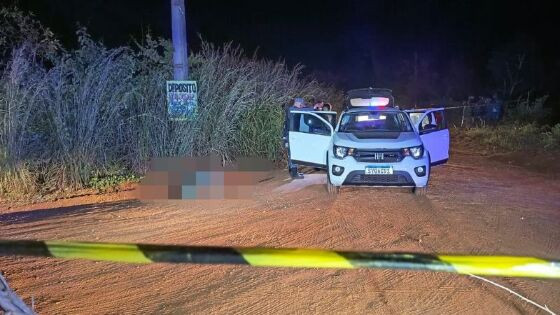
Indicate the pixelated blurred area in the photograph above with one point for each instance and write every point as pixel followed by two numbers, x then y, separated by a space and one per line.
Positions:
pixel 203 178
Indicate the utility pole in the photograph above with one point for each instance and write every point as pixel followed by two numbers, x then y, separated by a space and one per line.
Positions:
pixel 179 37
pixel 415 89
pixel 182 94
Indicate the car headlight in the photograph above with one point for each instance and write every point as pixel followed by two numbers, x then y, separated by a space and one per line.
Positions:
pixel 415 152
pixel 342 152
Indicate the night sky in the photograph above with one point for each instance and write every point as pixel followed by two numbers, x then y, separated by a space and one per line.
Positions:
pixel 349 43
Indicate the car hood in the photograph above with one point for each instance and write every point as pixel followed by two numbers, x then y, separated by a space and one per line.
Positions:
pixel 379 140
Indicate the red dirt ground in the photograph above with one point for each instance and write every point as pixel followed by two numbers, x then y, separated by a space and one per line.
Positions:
pixel 474 205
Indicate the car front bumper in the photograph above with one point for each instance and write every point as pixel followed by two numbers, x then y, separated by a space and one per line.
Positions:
pixel 404 174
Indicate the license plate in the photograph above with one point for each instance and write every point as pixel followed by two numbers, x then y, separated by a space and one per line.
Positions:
pixel 379 170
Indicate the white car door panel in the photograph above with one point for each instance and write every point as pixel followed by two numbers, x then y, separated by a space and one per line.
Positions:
pixel 436 140
pixel 307 145
pixel 437 144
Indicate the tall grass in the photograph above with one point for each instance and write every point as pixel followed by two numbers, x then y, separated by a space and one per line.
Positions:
pixel 72 115
pixel 528 109
pixel 516 136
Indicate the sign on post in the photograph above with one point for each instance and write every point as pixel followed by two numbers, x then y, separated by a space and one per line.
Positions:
pixel 181 99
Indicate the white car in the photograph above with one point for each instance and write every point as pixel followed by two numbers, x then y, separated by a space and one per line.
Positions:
pixel 375 145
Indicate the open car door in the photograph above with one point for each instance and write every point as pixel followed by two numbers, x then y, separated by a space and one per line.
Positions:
pixel 432 128
pixel 329 116
pixel 309 138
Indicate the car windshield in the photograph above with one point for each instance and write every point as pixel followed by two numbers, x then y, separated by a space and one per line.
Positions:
pixel 374 121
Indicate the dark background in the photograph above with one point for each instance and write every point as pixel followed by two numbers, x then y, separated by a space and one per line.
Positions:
pixel 424 50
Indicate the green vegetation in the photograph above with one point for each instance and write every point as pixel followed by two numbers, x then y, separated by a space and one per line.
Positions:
pixel 111 182
pixel 513 136
pixel 528 110
pixel 522 128
pixel 94 116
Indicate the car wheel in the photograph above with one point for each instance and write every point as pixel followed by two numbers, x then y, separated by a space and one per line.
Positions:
pixel 331 189
pixel 421 191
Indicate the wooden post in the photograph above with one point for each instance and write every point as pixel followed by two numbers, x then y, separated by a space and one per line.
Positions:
pixel 179 37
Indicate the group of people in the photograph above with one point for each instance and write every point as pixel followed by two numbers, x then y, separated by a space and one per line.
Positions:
pixel 485 108
pixel 318 105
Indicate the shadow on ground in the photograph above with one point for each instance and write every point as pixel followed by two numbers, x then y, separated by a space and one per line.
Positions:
pixel 37 215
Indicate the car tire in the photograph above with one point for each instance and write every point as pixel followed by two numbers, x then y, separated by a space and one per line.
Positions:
pixel 331 189
pixel 421 191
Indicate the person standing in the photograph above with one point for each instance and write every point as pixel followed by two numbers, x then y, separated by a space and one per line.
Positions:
pixel 298 104
pixel 495 112
pixel 318 105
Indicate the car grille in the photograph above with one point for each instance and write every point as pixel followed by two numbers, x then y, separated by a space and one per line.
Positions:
pixel 377 156
pixel 399 178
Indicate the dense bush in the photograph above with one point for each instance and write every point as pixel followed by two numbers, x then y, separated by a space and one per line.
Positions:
pixel 70 116
pixel 516 136
pixel 527 109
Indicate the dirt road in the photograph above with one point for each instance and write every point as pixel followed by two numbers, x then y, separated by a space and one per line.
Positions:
pixel 474 206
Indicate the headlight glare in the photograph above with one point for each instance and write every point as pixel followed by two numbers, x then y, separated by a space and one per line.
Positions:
pixel 340 152
pixel 416 152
